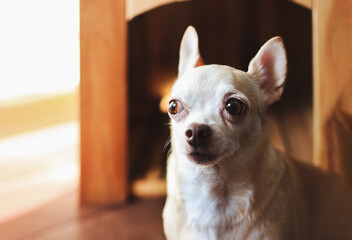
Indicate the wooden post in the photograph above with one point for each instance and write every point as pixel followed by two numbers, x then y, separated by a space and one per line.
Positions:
pixel 332 59
pixel 303 3
pixel 103 101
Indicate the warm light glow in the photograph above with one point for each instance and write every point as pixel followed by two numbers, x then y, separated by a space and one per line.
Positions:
pixel 164 103
pixel 39 47
pixel 150 186
pixel 165 98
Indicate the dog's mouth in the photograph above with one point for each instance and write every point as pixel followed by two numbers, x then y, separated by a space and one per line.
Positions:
pixel 201 158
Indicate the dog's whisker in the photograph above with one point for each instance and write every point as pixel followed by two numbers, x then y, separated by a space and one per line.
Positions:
pixel 169 151
pixel 167 145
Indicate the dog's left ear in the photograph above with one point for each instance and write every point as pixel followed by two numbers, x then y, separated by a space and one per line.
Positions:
pixel 189 53
pixel 268 68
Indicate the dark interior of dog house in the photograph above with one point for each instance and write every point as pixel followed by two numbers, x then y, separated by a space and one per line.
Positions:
pixel 129 54
pixel 230 33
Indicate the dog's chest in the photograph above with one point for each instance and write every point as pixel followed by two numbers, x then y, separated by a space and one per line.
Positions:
pixel 214 210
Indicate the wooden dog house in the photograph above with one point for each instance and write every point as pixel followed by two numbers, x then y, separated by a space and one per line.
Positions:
pixel 104 102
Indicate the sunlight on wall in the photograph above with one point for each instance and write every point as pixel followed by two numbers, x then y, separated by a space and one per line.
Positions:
pixel 39 57
pixel 39 47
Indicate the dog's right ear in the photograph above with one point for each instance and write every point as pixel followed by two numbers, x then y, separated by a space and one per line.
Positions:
pixel 189 52
pixel 268 68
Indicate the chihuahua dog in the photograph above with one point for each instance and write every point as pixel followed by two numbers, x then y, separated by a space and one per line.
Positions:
pixel 224 179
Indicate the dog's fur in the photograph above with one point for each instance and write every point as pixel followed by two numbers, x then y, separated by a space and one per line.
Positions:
pixel 233 184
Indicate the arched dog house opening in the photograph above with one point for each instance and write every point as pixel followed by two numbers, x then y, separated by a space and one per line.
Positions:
pixel 123 128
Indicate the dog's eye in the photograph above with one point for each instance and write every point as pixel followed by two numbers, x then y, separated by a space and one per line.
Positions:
pixel 235 107
pixel 175 107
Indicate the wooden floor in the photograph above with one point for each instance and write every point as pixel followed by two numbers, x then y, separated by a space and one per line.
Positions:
pixel 39 193
pixel 50 209
pixel 63 218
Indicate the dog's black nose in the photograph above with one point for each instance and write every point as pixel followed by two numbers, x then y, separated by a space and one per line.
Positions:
pixel 197 134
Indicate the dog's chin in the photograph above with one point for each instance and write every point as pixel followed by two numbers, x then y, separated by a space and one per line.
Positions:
pixel 201 158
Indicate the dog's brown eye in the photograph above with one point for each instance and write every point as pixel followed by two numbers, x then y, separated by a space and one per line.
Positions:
pixel 235 107
pixel 175 107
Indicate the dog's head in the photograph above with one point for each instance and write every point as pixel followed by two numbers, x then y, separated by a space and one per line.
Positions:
pixel 216 111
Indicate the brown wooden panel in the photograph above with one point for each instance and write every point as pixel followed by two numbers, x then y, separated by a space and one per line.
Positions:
pixel 103 101
pixel 332 55
pixel 304 3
